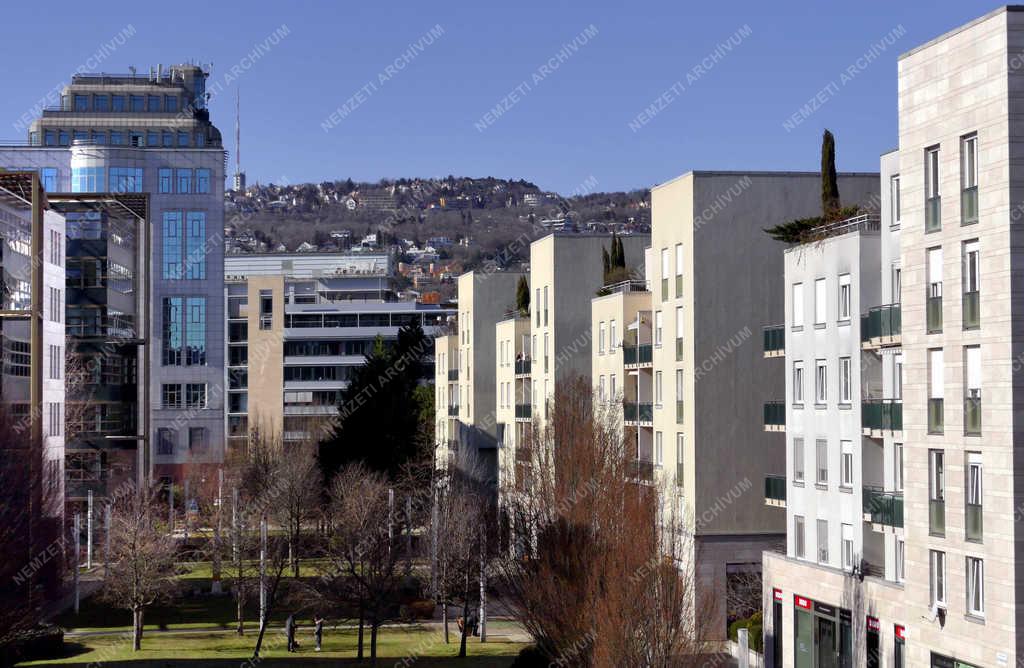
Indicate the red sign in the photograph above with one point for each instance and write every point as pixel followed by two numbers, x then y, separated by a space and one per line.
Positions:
pixel 802 602
pixel 901 632
pixel 778 594
pixel 874 624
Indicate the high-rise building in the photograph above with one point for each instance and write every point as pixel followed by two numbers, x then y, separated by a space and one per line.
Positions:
pixel 152 134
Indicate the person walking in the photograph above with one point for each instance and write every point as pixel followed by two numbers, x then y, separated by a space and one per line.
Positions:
pixel 289 630
pixel 318 631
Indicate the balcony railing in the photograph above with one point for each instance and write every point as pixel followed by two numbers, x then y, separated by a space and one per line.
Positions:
pixel 973 525
pixel 774 341
pixel 937 517
pixel 453 446
pixel 679 285
pixel 453 411
pixel 775 416
pixel 524 411
pixel 641 470
pixel 629 285
pixel 934 315
pixel 680 481
pixel 679 349
pixel 969 205
pixel 775 489
pixel 881 507
pixel 972 416
pixel 881 415
pixel 641 354
pixel 935 416
pixel 522 367
pixel 632 412
pixel 453 374
pixel 881 325
pixel 933 214
pixel 972 309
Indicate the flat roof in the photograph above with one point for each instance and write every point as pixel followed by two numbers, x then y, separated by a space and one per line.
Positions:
pixel 765 173
pixel 970 24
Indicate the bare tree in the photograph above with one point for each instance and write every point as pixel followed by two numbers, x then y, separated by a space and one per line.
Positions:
pixel 298 485
pixel 603 571
pixel 143 555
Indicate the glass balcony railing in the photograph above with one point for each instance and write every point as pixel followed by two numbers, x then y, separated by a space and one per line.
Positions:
pixel 934 315
pixel 972 309
pixel 642 470
pixel 679 350
pixel 679 412
pixel 453 411
pixel 937 517
pixel 664 289
pixel 969 205
pixel 522 367
pixel 679 285
pixel 775 488
pixel 680 481
pixel 885 508
pixel 882 414
pixel 881 322
pixel 972 416
pixel 775 339
pixel 524 411
pixel 775 414
pixel 973 524
pixel 933 214
pixel 632 412
pixel 641 354
pixel 453 374
pixel 936 416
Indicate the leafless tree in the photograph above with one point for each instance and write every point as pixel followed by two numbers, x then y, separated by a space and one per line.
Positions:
pixel 143 557
pixel 298 485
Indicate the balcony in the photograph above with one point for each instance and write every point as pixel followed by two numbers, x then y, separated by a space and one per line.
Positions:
pixel 775 341
pixel 935 416
pixel 524 411
pixel 882 508
pixel 638 413
pixel 933 214
pixel 453 411
pixel 972 416
pixel 523 367
pixel 453 446
pixel 775 491
pixel 881 326
pixel 641 470
pixel 973 525
pixel 972 310
pixel 453 374
pixel 524 455
pixel 640 355
pixel 969 205
pixel 878 416
pixel 934 315
pixel 775 416
pixel 79 489
pixel 629 285
pixel 937 517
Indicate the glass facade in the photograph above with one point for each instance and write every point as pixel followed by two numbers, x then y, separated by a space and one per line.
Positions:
pixel 126 179
pixel 172 246
pixel 195 260
pixel 196 331
pixel 87 180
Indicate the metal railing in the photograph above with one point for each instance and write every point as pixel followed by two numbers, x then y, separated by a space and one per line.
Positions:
pixel 775 487
pixel 633 412
pixel 882 414
pixel 775 414
pixel 885 508
pixel 881 322
pixel 523 367
pixel 453 374
pixel 524 411
pixel 864 222
pixel 642 470
pixel 933 214
pixel 453 411
pixel 629 285
pixel 972 309
pixel 969 205
pixel 774 338
pixel 641 354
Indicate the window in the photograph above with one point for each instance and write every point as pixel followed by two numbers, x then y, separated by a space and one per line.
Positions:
pixel 897 377
pixel 897 466
pixel 50 138
pixel 63 138
pixel 601 389
pixel 935 391
pixel 545 306
pixel 100 103
pixel 679 459
pixel 195 262
pixel 126 179
pixel 613 392
pixel 969 179
pixel 798 382
pixel 600 338
pixel 845 380
pixel 847 538
pixel 182 139
pixel 971 272
pixel 56 305
pixel 658 449
pixel 56 415
pixel 50 179
pixel 203 181
pixel 798 305
pixel 972 391
pixel 820 382
pixel 165 441
pixel 659 323
pixel 197 439
pixel 931 189
pixel 81 103
pixel 894 194
pixel 657 388
pixel 900 559
pixel 975 586
pixel 184 178
pixel 846 468
pixel 679 333
pixel 798 460
pixel 153 103
pixel 896 280
pixel 56 362
pixel 172 245
pixel 164 179
pixel 152 138
pixel 99 137
pixel 823 541
pixel 117 102
pixel 798 536
pixel 195 395
pixel 937 577
pixel 116 138
pixel 613 337
pixel 666 271
pixel 679 270
pixel 167 139
pixel 974 496
pixel 844 297
pixel 937 492
pixel 170 395
pixel 170 103
pixel 172 331
pixel 87 180
pixel 537 301
pixel 821 461
pixel 56 248
pixel 546 358
pixel 820 303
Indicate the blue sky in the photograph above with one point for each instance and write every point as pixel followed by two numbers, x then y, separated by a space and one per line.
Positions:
pixel 569 124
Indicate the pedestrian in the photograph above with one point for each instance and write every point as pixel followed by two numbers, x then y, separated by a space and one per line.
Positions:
pixel 318 630
pixel 289 630
pixel 473 623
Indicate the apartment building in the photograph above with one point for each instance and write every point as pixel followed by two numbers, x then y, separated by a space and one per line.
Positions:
pixel 300 324
pixel 152 134
pixel 446 399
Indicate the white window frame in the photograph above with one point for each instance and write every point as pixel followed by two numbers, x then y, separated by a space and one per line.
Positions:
pixel 894 194
pixel 937 578
pixel 658 389
pixel 659 449
pixel 798 382
pixel 969 161
pixel 847 542
pixel 846 464
pixel 659 323
pixel 937 475
pixel 799 459
pixel 822 538
pixel 897 467
pixel 613 336
pixel 845 297
pixel 900 559
pixel 820 381
pixel 600 338
pixel 820 302
pixel 821 461
pixel 975 570
pixel 932 186
pixel 799 536
pixel 845 380
pixel 798 304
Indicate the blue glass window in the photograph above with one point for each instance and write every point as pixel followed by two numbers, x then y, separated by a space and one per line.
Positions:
pixel 64 138
pixel 136 139
pixel 152 139
pixel 50 179
pixel 165 179
pixel 100 103
pixel 154 103
pixel 202 180
pixel 99 137
pixel 81 103
pixel 87 180
pixel 195 331
pixel 184 180
pixel 170 103
pixel 116 138
pixel 33 138
pixel 81 135
pixel 195 261
pixel 136 102
pixel 200 140
pixel 50 137
pixel 126 179
pixel 172 245
pixel 168 139
pixel 182 139
pixel 172 331
pixel 117 102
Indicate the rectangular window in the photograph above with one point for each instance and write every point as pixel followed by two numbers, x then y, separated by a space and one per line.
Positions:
pixel 182 139
pixel 820 382
pixel 545 306
pixel 613 336
pixel 666 271
pixel 822 541
pixel 937 577
pixel 846 472
pixel 679 270
pixel 657 388
pixel 184 178
pixel 116 138
pixel 974 497
pixel 937 492
pixel 820 302
pixel 971 272
pixel 56 305
pixel 975 587
pixel 203 181
pixel 659 323
pixel 152 138
pixel 195 331
pixel 546 356
pixel 195 395
pixel 844 297
pixel 536 299
pixel 659 452
pixel 170 103
pixel 100 103
pixel 897 466
pixel 936 408
pixel 969 179
pixel 900 559
pixel 56 248
pixel 600 337
pixel 847 538
pixel 172 245
pixel 173 331
pixel 195 261
pixel 894 193
pixel 798 305
pixel 798 536
pixel 821 461
pixel 164 180
pixel 50 179
pixel 56 416
pixel 197 439
pixel 126 179
pixel 897 377
pixel 167 139
pixel 81 103
pixel 896 284
pixel 56 362
pixel 170 395
pixel 798 382
pixel 165 441
pixel 601 389
pixel 612 390
pixel 153 103
pixel 88 180
pixel 972 390
pixel 845 380
pixel 679 333
pixel 117 102
pixel 798 460
pixel 931 190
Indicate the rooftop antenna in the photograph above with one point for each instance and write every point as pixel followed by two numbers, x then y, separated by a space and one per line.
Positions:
pixel 238 130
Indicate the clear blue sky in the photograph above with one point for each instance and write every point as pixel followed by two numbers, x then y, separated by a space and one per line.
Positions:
pixel 571 125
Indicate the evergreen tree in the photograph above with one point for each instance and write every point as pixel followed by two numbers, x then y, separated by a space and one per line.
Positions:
pixel 523 296
pixel 829 181
pixel 606 262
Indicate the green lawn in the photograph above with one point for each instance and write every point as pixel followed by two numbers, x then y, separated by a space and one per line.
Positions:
pixel 417 646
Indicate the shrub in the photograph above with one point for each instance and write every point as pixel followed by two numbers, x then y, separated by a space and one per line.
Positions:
pixel 530 657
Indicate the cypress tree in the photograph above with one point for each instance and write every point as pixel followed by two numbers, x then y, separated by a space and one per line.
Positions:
pixel 523 296
pixel 829 181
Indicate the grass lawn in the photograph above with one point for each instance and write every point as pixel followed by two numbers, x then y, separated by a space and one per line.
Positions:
pixel 417 646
